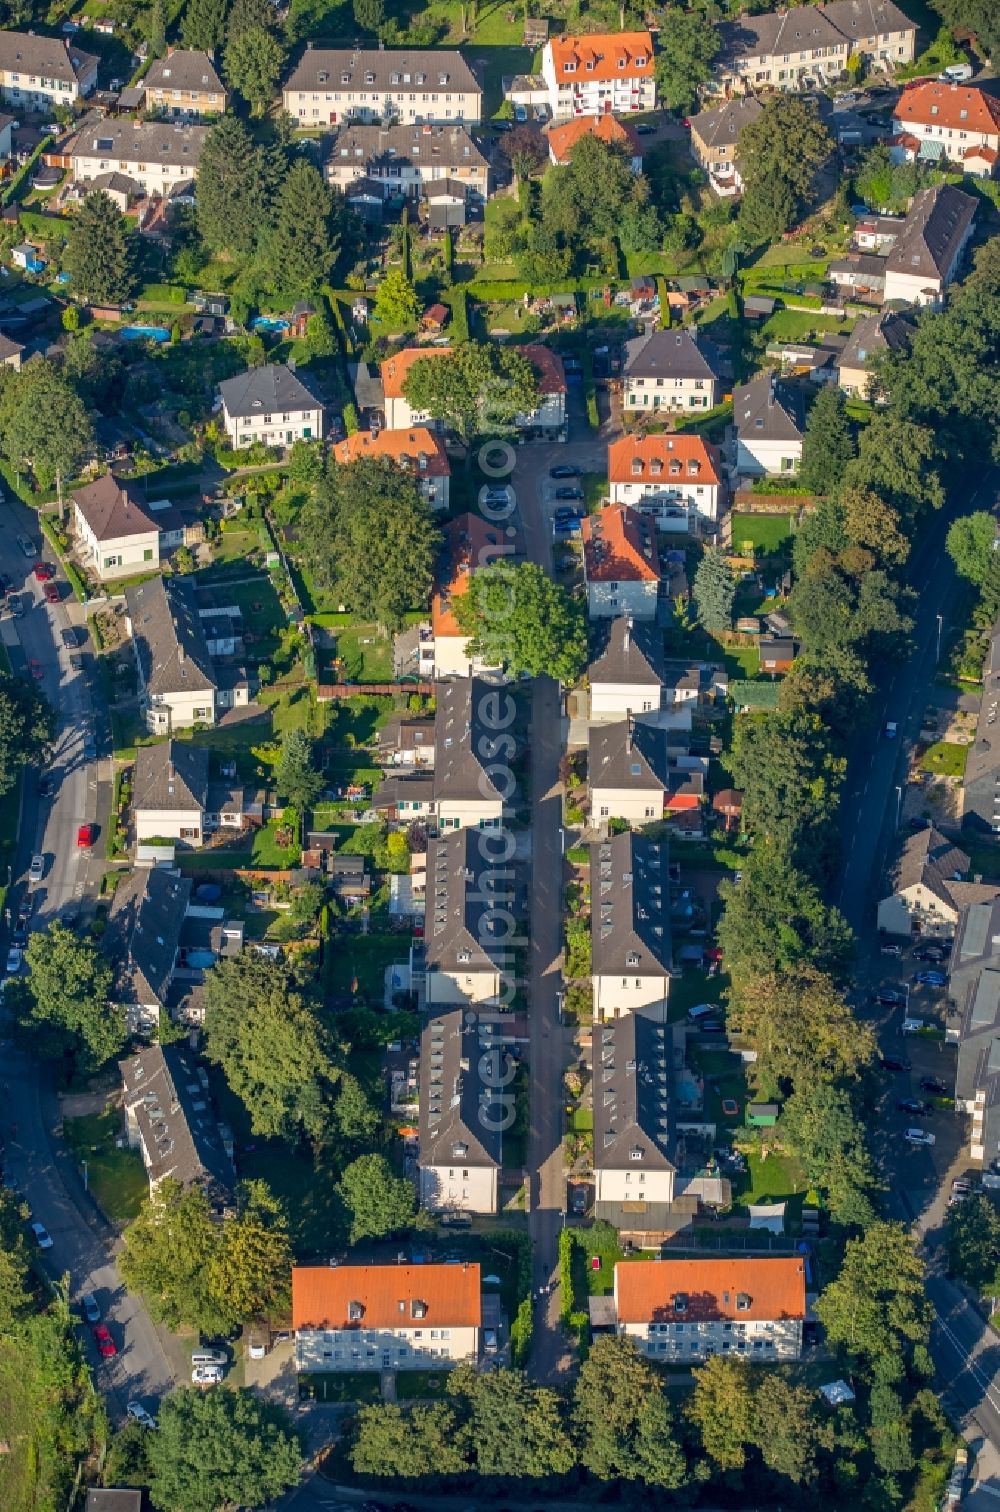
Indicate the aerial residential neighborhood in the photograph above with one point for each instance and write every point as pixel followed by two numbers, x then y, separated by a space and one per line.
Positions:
pixel 499 669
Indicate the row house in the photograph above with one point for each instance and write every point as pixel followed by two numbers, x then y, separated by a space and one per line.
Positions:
pixel 385 1317
pixel 938 122
pixel 642 773
pixel 634 1127
pixel 417 450
pixel 185 85
pixel 332 85
pixel 927 255
pixel 272 405
pixel 807 47
pixel 631 956
pixel 156 156
pixel 173 799
pixel 621 564
pixel 748 1307
pixel 675 479
pixel 39 72
pixel 602 73
pixel 630 677
pixel 974 990
pixel 407 160
pixel 465 1075
pixel 671 370
pixel 467 957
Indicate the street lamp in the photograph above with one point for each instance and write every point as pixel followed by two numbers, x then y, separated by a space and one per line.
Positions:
pixel 937 654
pixel 899 802
pixel 86 1184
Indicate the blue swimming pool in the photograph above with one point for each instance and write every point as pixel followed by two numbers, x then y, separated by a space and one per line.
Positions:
pixel 269 323
pixel 144 333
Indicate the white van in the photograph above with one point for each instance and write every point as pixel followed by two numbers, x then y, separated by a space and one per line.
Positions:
pixel 956 73
pixel 209 1357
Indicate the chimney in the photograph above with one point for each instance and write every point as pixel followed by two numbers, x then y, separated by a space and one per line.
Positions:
pixel 180 652
pixel 628 632
pixel 170 770
pixel 630 726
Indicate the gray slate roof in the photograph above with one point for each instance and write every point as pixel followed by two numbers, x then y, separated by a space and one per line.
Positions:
pixel 170 777
pixel 858 19
pixel 425 147
pixel 801 29
pixel 115 1500
pixel 875 333
pixel 721 127
pixel 464 744
pixel 633 1094
pixel 27 53
pixel 930 858
pixel 937 221
pixel 465 887
pixel 630 652
pixel 627 755
pixel 414 70
pixel 767 410
pixel 630 907
pixel 262 390
pixel 459 1120
pixel 144 928
pixel 131 141
pixel 185 69
pixel 670 354
pixel 178 1128
pixel 168 637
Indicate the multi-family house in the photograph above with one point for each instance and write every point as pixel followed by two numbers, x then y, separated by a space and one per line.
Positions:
pixel 179 681
pixel 607 128
pixel 119 534
pixel 465 1106
pixel 676 479
pixel 331 85
pixel 468 892
pixel 469 543
pixel 407 160
pixel 472 741
pixel 715 136
pixel 621 564
pixel 157 156
pixel 953 123
pixel 974 988
pixel 385 1317
pixel 145 920
pixel 809 47
pixel 170 792
pixel 184 84
pixel 674 370
pixel 628 673
pixel 272 405
pixel 170 1122
pixel 633 1077
pixel 748 1307
pixel 769 426
pixel 928 251
pixel 929 889
pixel 878 32
pixel 631 959
pixel 981 783
pixel 872 334
pixel 548 420
pixel 39 72
pixel 602 73
pixel 627 772
pixel 417 450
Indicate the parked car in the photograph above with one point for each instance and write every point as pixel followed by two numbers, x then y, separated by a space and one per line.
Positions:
pixel 893 1063
pixel 920 1137
pixel 891 729
pixel 564 470
pixel 44 572
pixel 931 953
pixel 914 1025
pixel 70 638
pixel 105 1343
pixel 46 786
pixel 489 1341
pixel 91 1309
pixel 565 512
pixel 645 129
pixel 206 1375
pixel 36 871
pixel 579 1201
pixel 28 547
pixel 42 1236
pixel 913 1105
pixel 14 960
pixel 891 950
pixel 138 1414
pixel 89 748
pixel 890 997
pixel 569 493
pixel 52 593
pixel 934 1084
pixel 520 113
pixel 930 978
pixel 36 669
pixel 19 938
pixel 85 836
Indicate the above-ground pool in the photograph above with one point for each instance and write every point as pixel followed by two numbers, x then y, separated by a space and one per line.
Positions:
pixel 144 333
pixel 269 323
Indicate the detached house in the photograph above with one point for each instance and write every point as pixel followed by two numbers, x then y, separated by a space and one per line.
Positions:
pixel 673 370
pixel 676 479
pixel 417 450
pixel 270 404
pixel 929 888
pixel 769 425
pixel 385 1317
pixel 750 1307
pixel 599 74
pixel 928 251
pixel 180 683
pixel 714 138
pixel 171 1123
pixel 887 332
pixel 39 72
pixel 607 129
pixel 621 564
pixel 470 542
pixel 634 1145
pixel 118 533
pixel 465 944
pixel 329 86
pixel 170 792
pixel 408 160
pixel 145 920
pixel 952 123
pixel 628 672
pixel 465 1106
pixel 184 84
pixel 630 926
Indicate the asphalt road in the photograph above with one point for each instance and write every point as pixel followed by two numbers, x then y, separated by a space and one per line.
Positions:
pixel 35 1158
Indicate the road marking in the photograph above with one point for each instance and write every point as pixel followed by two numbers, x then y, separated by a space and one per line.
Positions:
pixel 976 1370
pixel 990 1490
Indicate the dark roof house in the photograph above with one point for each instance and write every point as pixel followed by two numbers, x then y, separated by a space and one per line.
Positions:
pixel 627 755
pixel 465 889
pixel 170 777
pixel 981 783
pixel 633 1094
pixel 459 1122
pixel 263 390
pixel 144 928
pixel 630 907
pixel 465 746
pixel 628 651
pixel 169 1116
pixel 169 638
pixel 935 228
pixel 671 354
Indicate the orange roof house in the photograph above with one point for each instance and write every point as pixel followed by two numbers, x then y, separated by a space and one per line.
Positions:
pixel 383 1296
pixel 470 542
pixel 734 1290
pixel 619 546
pixel 602 57
pixel 607 128
pixel 664 459
pixel 394 369
pixel 417 449
pixel 954 107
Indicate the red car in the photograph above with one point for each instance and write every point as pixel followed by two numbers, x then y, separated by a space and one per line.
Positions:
pixel 52 594
pixel 36 669
pixel 105 1343
pixel 44 571
pixel 85 836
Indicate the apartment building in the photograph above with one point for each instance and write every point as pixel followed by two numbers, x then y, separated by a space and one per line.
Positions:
pixel 674 370
pixel 180 681
pixel 808 47
pixel 472 743
pixel 950 123
pixel 170 792
pixel 272 405
pixel 158 156
pixel 628 671
pixel 715 136
pixel 332 85
pixel 627 772
pixel 630 926
pixel 417 450
pixel 469 542
pixel 633 1074
pixel 621 564
pixel 385 1317
pixel 927 254
pixel 407 160
pixel 675 479
pixel 748 1307
pixel 599 74
pixel 467 895
pixel 974 989
pixel 39 72
pixel 171 1123
pixel 185 85
pixel 465 1105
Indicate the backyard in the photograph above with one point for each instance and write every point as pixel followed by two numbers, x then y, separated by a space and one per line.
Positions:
pixel 116 1178
pixel 763 533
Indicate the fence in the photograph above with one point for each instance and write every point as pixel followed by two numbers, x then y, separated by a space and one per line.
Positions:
pixel 348 690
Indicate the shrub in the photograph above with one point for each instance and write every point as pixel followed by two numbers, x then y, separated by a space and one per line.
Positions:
pixel 567 1242
pixel 520 1334
pixel 350 418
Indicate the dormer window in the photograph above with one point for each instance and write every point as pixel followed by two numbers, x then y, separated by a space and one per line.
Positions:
pixel 418 1309
pixel 637 1153
pixel 681 1302
pixel 442 78
pixel 675 467
pixel 636 468
pixel 656 467
pixel 589 65
pixel 569 68
pixel 324 78
pixel 621 63
pixel 694 467
pixel 631 959
pixel 345 78
pixel 355 1312
pixel 640 61
pixel 742 1301
pixel 369 78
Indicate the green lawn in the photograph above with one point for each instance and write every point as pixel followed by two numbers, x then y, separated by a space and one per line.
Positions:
pixel 742 661
pixel 798 325
pixel 420 1385
pixel 764 532
pixel 692 988
pixel 595 488
pixel 365 958
pixel 779 1178
pixel 235 545
pixel 268 853
pixel 581 1121
pixel 365 652
pixel 945 759
pixel 116 1178
pixel 346 1386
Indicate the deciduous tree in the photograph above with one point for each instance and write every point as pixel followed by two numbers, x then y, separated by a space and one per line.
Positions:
pixel 62 1007
pixel 872 523
pixel 524 150
pixel 898 459
pixel 721 1408
pixel 217 1449
pixel 396 303
pixel 790 780
pixel 786 1429
pixel 801 1027
pixel 972 546
pixel 974 1241
pixel 167 1256
pixel 826 1134
pixel 379 1202
pixel 775 919
pixel 478 387
pixel 779 155
pixel 44 426
pixel 515 1426
pixel 27 727
pixel 253 61
pixel 688 46
pixel 621 1419
pixel 517 617
pixel 252 1264
pixel 425 1443
pixel 876 1307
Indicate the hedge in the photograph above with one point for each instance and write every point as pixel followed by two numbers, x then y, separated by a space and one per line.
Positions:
pixel 351 424
pixel 165 293
pixel 24 492
pixel 567 1242
pixel 12 190
pixel 80 590
pixel 514 288
pixel 521 1331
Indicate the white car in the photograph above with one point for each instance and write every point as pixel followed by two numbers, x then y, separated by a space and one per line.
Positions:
pixel 914 1025
pixel 206 1375
pixel 36 871
pixel 891 729
pixel 42 1236
pixel 138 1414
pixel 919 1137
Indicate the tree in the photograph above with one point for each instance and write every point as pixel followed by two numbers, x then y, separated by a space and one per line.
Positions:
pixel 396 302
pixel 890 1432
pixel 640 228
pixel 834 609
pixel 368 535
pixel 296 774
pixel 273 1048
pixel 62 1006
pixel 876 1307
pixel 974 1241
pixel 721 1408
pixel 424 1443
pixel 251 1266
pixel 821 1124
pixel 897 459
pixel 779 155
pixel 219 1449
pixel 229 200
pixel 617 1419
pixel 27 726
pixel 156 29
pixel 204 25
pixel 775 919
pixel 43 423
pixel 517 617
pixel 688 46
pixel 253 61
pixel 801 1027
pixel 515 1426
pixel 167 1256
pixel 790 780
pixel 971 544
pixel 379 1202
pixel 827 445
pixel 976 16
pixel 100 252
pixel 786 1430
pixel 249 15
pixel 872 523
pixel 832 683
pixel 524 150
pixel 584 201
pixel 540 256
pixel 714 590
pixel 883 184
pixel 479 386
pixel 304 242
pixel 370 15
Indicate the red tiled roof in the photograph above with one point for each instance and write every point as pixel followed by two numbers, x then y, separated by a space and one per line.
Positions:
pixel 548 365
pixel 645 1289
pixel 982 111
pixel 602 56
pixel 607 128
pixel 450 1295
pixel 619 546
pixel 403 446
pixel 623 455
pixel 551 374
pixel 471 542
pixel 987 154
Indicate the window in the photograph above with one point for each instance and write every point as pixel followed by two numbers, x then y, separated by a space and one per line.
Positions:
pixel 147 555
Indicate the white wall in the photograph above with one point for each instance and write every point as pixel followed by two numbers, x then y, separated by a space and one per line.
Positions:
pixel 170 824
pixel 367 1348
pixel 637 599
pixel 756 457
pixel 617 995
pixel 469 813
pixel 278 429
pixel 634 1185
pixel 637 806
pixel 763 1340
pixel 670 393
pixel 325 106
pixel 155 178
pixel 467 1189
pixel 462 987
pixel 667 494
